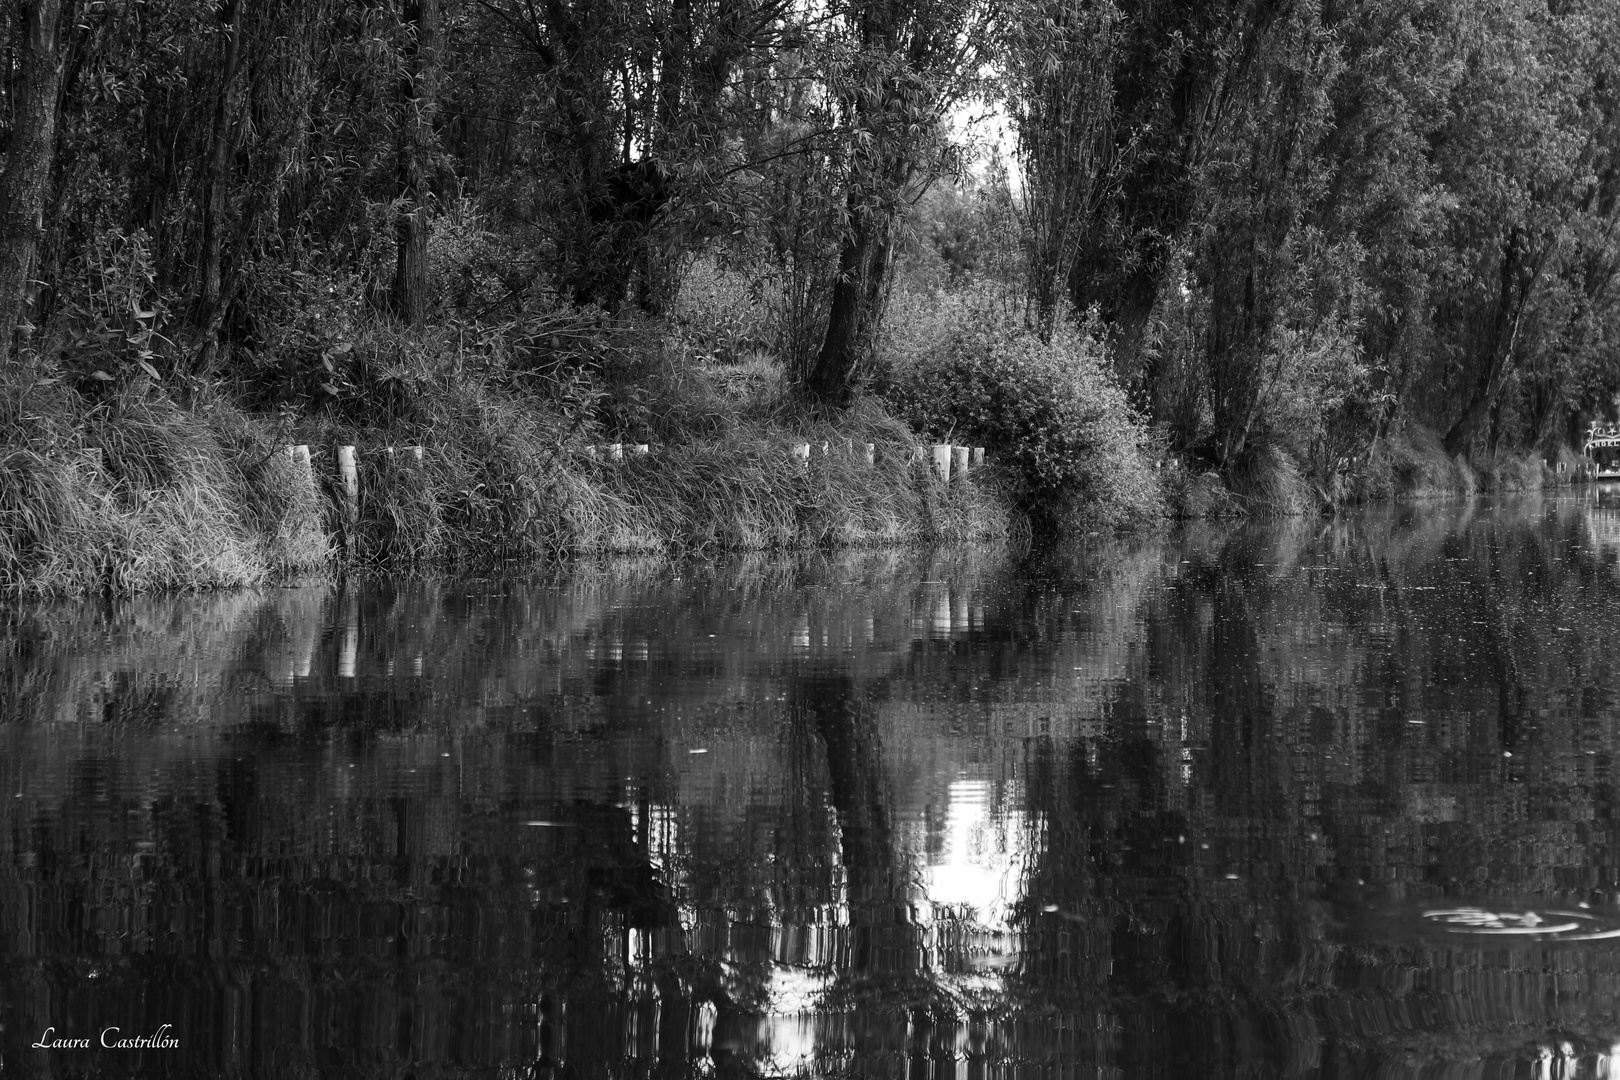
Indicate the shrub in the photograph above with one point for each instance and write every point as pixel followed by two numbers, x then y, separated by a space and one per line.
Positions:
pixel 967 371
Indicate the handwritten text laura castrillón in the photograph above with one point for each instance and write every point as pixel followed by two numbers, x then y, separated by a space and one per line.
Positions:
pixel 111 1038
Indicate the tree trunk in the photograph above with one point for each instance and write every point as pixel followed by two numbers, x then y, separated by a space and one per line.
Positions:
pixel 419 91
pixel 210 311
pixel 880 170
pixel 38 65
pixel 857 303
pixel 1497 352
pixel 1242 311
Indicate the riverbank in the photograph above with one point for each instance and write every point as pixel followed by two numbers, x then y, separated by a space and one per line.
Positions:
pixel 134 492
pixel 1408 464
pixel 117 486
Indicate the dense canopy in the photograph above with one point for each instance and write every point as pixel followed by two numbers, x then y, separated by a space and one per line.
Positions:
pixel 1289 223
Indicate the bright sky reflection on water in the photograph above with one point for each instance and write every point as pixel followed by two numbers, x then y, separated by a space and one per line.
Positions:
pixel 979 868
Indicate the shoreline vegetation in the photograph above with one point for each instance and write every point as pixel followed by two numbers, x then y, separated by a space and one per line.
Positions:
pixel 1226 257
pixel 129 490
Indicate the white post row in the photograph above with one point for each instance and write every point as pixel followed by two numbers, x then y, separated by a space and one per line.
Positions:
pixel 302 472
pixel 616 451
pixel 800 453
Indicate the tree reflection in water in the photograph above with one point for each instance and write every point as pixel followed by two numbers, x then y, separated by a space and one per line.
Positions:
pixel 1164 808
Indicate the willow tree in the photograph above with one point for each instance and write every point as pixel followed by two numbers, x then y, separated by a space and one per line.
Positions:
pixel 1265 178
pixel 1518 156
pixel 1060 57
pixel 896 69
pixel 1179 74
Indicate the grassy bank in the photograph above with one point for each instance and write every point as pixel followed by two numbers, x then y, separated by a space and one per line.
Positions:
pixel 127 490
pixel 140 480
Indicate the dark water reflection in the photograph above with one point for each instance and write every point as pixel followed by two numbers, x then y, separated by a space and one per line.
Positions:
pixel 1183 807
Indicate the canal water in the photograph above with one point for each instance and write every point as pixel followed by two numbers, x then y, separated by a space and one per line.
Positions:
pixel 1287 799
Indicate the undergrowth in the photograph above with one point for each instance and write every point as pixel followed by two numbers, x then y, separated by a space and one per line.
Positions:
pixel 116 486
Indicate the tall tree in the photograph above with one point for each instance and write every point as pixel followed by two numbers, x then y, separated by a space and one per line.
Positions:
pixel 1179 78
pixel 1266 176
pixel 210 311
pixel 419 86
pixel 907 62
pixel 1060 68
pixel 1512 156
pixel 37 61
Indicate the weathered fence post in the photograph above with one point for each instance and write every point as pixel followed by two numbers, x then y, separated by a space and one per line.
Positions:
pixel 799 456
pixel 978 456
pixel 942 461
pixel 959 461
pixel 348 494
pixel 871 453
pixel 303 471
pixel 349 481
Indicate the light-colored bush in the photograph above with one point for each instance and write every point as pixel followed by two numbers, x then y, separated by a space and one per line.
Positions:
pixel 965 369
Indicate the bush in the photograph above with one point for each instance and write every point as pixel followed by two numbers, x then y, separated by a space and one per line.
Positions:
pixel 967 371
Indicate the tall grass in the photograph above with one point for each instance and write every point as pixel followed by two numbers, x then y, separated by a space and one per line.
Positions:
pixel 1265 480
pixel 129 491
pixel 132 492
pixel 503 482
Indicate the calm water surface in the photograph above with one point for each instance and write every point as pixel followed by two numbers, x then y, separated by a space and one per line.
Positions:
pixel 1281 800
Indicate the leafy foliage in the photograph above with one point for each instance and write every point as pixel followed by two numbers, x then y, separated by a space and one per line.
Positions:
pixel 1047 411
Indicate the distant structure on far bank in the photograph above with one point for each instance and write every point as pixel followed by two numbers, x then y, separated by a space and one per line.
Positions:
pixel 1602 447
